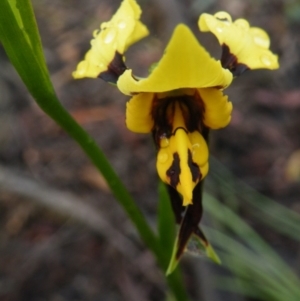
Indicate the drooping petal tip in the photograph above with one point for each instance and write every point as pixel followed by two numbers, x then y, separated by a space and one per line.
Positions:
pixel 199 245
pixel 250 45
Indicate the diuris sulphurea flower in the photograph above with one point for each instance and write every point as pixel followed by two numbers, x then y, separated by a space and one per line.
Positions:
pixel 180 101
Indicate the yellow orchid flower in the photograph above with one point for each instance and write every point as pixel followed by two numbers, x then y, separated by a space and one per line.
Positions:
pixel 105 58
pixel 178 102
pixel 244 47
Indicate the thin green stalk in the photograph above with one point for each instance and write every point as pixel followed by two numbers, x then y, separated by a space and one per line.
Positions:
pixel 21 41
pixel 38 83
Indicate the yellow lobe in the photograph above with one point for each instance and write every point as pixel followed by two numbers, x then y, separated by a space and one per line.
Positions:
pixel 249 44
pixel 186 184
pixel 181 143
pixel 182 159
pixel 117 35
pixel 183 146
pixel 138 113
pixel 164 161
pixel 217 108
pixel 177 144
pixel 185 64
pixel 200 152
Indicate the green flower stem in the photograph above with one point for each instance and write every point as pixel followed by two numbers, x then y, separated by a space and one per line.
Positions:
pixel 62 117
pixel 21 41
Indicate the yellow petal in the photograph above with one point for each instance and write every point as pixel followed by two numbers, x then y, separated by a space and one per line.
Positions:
pixel 249 44
pixel 185 64
pixel 186 185
pixel 182 160
pixel 140 31
pixel 217 108
pixel 126 26
pixel 177 147
pixel 172 165
pixel 138 113
pixel 199 151
pixel 117 35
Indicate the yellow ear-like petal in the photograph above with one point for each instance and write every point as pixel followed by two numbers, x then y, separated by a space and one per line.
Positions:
pixel 117 35
pixel 250 45
pixel 217 108
pixel 185 64
pixel 124 28
pixel 138 113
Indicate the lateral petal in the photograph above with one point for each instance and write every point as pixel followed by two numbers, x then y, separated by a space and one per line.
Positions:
pixel 249 44
pixel 115 36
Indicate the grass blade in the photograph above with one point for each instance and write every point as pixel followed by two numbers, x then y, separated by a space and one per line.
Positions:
pixel 264 209
pixel 20 38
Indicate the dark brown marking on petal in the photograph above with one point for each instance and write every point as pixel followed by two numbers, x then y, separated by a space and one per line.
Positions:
pixel 202 128
pixel 162 124
pixel 174 171
pixel 176 202
pixel 205 134
pixel 229 61
pixel 194 168
pixel 114 70
pixel 194 112
pixel 190 221
pixel 163 111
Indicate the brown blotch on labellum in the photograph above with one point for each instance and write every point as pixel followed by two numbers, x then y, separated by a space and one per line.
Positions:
pixel 194 168
pixel 174 171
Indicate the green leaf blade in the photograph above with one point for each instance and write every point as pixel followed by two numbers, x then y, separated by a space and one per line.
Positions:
pixel 166 221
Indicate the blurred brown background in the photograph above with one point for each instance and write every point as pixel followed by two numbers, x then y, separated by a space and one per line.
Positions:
pixel 62 235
